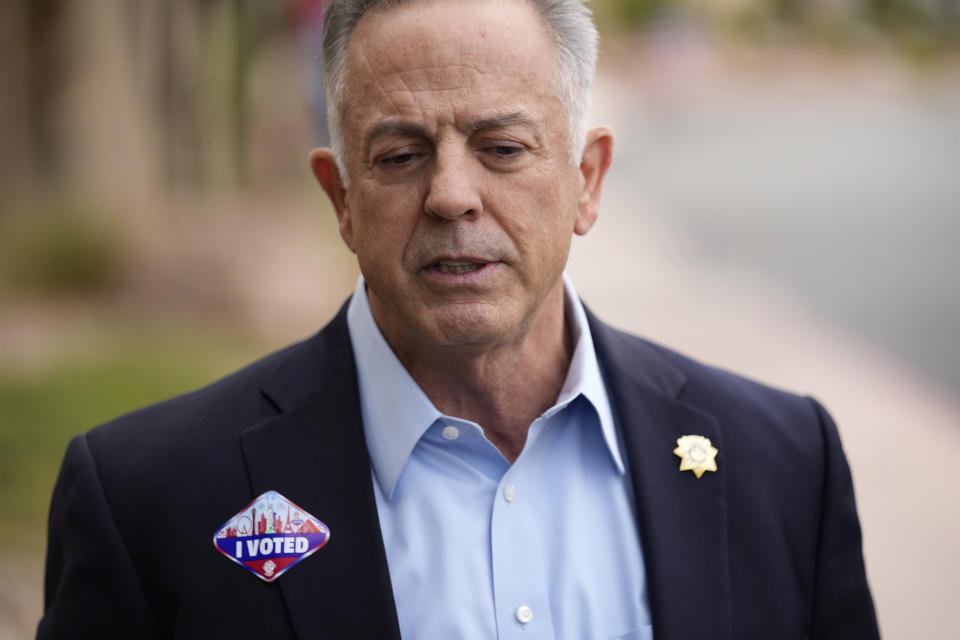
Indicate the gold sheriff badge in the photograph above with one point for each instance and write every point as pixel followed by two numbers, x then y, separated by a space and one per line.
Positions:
pixel 696 454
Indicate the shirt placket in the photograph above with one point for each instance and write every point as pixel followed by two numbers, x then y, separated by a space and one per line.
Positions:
pixel 520 591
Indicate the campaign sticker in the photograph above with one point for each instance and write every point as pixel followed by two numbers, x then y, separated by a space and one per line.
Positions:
pixel 270 535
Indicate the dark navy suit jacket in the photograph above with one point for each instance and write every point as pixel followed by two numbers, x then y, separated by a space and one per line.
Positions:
pixel 767 547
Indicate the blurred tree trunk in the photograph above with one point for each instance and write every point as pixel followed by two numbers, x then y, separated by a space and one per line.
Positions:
pixel 32 70
pixel 240 81
pixel 46 71
pixel 16 153
pixel 177 89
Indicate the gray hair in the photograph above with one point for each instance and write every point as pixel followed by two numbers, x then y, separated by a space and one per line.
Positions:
pixel 569 23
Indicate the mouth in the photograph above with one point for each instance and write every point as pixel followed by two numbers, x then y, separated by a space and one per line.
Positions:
pixel 458 267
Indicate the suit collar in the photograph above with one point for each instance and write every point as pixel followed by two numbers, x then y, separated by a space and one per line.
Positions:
pixel 314 453
pixel 309 365
pixel 682 520
pixel 636 360
pixel 396 412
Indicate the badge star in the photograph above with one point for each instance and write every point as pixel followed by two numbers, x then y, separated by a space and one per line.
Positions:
pixel 696 454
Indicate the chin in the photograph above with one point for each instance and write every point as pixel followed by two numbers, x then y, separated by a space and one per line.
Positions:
pixel 469 324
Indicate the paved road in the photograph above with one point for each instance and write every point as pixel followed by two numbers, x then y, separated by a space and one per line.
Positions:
pixel 852 199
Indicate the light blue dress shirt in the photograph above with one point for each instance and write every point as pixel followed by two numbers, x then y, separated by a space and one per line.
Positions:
pixel 546 548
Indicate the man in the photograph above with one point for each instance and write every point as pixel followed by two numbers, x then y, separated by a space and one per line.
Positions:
pixel 485 458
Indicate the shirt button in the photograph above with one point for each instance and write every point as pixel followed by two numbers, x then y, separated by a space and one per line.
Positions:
pixel 509 493
pixel 450 432
pixel 524 614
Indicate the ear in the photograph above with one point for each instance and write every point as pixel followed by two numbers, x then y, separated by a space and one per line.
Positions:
pixel 597 154
pixel 328 175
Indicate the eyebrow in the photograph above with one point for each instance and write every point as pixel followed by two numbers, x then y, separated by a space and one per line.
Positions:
pixel 399 129
pixel 517 118
pixel 408 129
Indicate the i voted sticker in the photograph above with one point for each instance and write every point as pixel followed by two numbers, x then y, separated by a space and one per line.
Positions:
pixel 270 535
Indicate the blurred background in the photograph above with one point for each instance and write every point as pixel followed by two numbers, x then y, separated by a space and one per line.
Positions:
pixel 784 202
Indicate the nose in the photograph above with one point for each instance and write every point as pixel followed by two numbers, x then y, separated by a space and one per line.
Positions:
pixel 453 190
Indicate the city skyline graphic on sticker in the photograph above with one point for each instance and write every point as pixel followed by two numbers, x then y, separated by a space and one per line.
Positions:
pixel 270 535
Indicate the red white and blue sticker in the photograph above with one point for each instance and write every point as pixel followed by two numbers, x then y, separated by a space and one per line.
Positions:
pixel 270 535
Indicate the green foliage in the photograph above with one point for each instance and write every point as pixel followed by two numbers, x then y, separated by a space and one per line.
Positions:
pixel 923 32
pixel 917 34
pixel 41 411
pixel 60 248
pixel 629 14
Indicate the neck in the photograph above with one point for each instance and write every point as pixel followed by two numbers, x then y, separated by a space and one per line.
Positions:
pixel 501 387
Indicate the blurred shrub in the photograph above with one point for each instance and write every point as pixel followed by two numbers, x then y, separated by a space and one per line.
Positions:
pixel 42 408
pixel 628 14
pixel 922 31
pixel 60 248
pixel 918 34
pixel 637 13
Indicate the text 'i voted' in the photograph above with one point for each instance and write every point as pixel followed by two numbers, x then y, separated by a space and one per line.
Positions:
pixel 270 535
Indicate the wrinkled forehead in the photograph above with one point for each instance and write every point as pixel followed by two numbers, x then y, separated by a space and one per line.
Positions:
pixel 449 46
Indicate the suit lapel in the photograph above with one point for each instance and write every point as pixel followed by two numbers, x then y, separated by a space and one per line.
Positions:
pixel 682 519
pixel 314 453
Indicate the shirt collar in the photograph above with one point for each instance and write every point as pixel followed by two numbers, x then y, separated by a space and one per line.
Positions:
pixel 396 412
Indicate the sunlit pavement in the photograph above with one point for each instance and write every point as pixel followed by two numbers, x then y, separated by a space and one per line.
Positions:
pixel 638 269
pixel 20 596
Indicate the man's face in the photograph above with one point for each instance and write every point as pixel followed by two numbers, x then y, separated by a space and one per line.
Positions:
pixel 462 197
